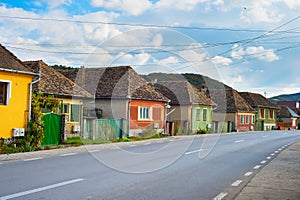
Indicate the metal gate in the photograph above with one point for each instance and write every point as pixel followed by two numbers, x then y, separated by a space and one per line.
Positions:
pixel 105 128
pixel 52 126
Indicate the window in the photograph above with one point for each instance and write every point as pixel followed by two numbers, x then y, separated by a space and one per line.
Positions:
pixel 198 114
pixel 247 119
pixel 65 108
pixel 204 114
pixel 271 114
pixel 262 113
pixel 75 112
pixel 253 119
pixel 241 119
pixel 3 93
pixel 144 113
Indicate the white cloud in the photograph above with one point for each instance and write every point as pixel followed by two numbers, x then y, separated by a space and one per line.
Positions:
pixel 171 60
pixel 131 7
pixel 56 3
pixel 221 61
pixel 237 52
pixel 186 5
pixel 261 53
pixel 131 59
pixel 255 52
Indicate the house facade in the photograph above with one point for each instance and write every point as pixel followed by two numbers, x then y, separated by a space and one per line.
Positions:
pixel 286 118
pixel 233 113
pixel 265 111
pixel 15 95
pixel 189 109
pixel 69 94
pixel 120 93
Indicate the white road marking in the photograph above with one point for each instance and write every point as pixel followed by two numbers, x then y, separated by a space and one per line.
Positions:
pixel 256 166
pixel 238 141
pixel 20 194
pixel 276 151
pixel 272 154
pixel 269 157
pixel 190 152
pixel 265 136
pixel 31 159
pixel 147 143
pixel 220 196
pixel 236 183
pixel 263 162
pixel 93 151
pixel 133 145
pixel 279 149
pixel 248 174
pixel 67 154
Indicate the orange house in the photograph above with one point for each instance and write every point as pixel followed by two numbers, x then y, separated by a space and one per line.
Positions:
pixel 146 114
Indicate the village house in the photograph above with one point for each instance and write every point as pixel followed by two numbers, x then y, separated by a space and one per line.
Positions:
pixel 69 94
pixel 15 94
pixel 286 118
pixel 233 113
pixel 190 110
pixel 265 118
pixel 120 93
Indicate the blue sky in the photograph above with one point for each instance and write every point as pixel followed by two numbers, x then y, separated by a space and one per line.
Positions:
pixel 249 45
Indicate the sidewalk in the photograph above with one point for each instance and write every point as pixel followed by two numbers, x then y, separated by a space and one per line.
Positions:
pixel 279 180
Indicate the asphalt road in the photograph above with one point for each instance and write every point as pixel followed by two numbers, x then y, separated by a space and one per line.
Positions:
pixel 183 168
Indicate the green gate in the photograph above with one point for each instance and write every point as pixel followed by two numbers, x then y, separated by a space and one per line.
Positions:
pixel 52 124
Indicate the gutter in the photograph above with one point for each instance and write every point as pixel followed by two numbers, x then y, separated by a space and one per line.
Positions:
pixel 30 94
pixel 18 71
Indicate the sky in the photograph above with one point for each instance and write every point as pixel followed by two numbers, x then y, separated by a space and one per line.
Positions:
pixel 251 46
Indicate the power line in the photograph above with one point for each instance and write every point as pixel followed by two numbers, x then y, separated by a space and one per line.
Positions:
pixel 136 24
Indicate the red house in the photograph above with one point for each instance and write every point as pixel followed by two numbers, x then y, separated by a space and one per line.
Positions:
pixel 233 113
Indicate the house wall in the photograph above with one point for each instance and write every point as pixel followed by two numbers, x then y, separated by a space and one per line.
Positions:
pixel 15 114
pixel 156 121
pixel 69 124
pixel 223 122
pixel 201 123
pixel 264 123
pixel 113 108
pixel 243 125
pixel 181 117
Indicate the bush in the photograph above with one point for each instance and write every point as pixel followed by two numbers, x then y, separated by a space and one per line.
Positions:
pixel 201 131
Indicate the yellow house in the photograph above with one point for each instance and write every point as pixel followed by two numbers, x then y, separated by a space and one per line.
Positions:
pixel 66 91
pixel 15 83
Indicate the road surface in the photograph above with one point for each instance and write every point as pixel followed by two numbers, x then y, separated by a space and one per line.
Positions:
pixel 199 167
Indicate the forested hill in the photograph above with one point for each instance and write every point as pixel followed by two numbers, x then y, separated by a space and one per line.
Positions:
pixel 195 79
pixel 286 97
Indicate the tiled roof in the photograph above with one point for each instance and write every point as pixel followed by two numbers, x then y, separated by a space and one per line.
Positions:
pixel 10 62
pixel 182 93
pixel 54 83
pixel 229 101
pixel 290 104
pixel 286 112
pixel 257 100
pixel 115 82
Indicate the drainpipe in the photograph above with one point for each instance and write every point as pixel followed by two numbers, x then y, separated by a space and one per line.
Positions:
pixel 128 114
pixel 167 105
pixel 30 95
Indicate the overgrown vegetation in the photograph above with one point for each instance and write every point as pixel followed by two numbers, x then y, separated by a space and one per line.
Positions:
pixel 35 134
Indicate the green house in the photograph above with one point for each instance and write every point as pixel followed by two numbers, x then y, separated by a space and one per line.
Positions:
pixel 189 109
pixel 265 115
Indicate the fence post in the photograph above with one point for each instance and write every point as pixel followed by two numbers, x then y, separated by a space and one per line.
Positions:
pixel 121 128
